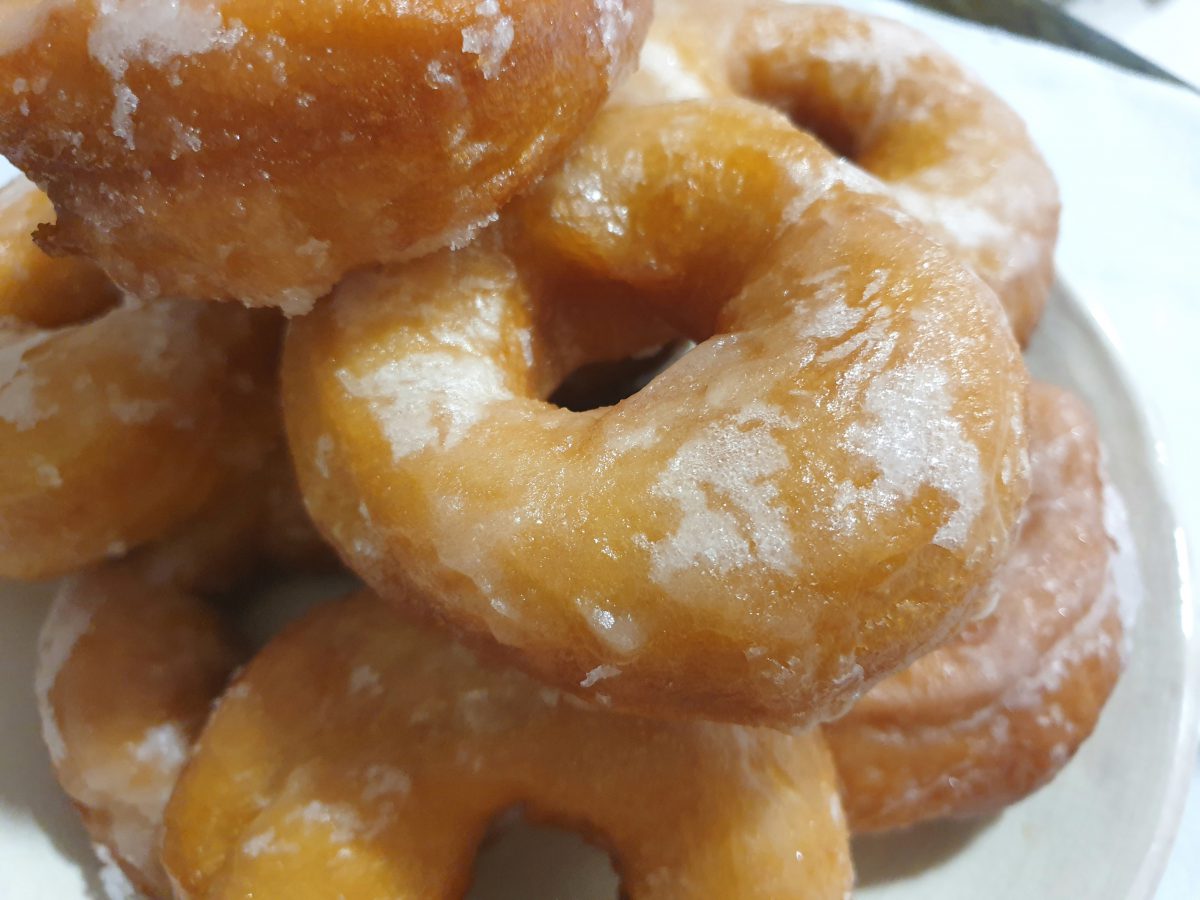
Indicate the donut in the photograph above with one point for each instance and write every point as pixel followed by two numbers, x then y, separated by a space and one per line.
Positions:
pixel 259 151
pixel 953 154
pixel 117 425
pixel 35 289
pixel 126 674
pixel 131 658
pixel 994 714
pixel 797 507
pixel 363 757
pixel 256 524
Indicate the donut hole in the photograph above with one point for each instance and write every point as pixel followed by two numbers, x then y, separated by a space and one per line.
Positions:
pixel 600 384
pixel 521 859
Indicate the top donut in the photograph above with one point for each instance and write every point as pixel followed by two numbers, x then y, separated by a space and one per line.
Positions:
pixel 258 151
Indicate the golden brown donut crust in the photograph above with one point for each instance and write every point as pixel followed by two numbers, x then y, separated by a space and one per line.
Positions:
pixel 36 289
pixel 793 510
pixel 999 710
pixel 258 151
pixel 951 151
pixel 118 428
pixel 358 756
pixel 127 672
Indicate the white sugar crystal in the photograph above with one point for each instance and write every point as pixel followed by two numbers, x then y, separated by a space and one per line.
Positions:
pixel 266 843
pixel 599 674
pixel 340 820
pixel 620 631
pixel 365 680
pixel 164 746
pixel 156 32
pixel 384 781
pixel 113 880
pixel 721 482
pixel 437 77
pixel 914 440
pixel 69 619
pixel 885 47
pixel 1124 564
pixel 48 475
pixel 490 38
pixel 614 22
pixel 428 400
pixel 18 385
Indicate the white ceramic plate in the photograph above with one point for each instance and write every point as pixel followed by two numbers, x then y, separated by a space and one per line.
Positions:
pixel 1101 830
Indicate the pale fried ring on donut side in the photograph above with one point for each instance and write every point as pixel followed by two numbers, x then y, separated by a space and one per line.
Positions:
pixel 127 672
pixel 259 151
pixel 952 152
pixel 363 757
pixel 999 710
pixel 117 426
pixel 795 509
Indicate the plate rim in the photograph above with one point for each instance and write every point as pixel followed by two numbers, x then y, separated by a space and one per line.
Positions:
pixel 1183 759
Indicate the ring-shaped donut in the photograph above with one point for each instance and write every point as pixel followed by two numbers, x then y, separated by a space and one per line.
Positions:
pixel 118 426
pixel 254 524
pixel 127 672
pixel 36 289
pixel 951 151
pixel 259 151
pixel 994 714
pixel 362 757
pixel 792 511
pixel 131 658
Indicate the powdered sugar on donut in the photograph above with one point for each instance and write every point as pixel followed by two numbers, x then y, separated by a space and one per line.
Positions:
pixel 1125 563
pixel 69 619
pixel 19 403
pixel 126 31
pixel 914 439
pixel 428 400
pixel 730 510
pixel 489 38
pixel 613 27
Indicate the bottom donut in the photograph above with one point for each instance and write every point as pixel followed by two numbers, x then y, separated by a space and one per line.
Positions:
pixel 998 711
pixel 127 671
pixel 359 756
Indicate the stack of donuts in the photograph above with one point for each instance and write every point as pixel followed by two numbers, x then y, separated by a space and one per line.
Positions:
pixel 296 286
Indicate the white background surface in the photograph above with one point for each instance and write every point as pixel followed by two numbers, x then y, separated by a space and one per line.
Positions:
pixel 1126 152
pixel 1127 156
pixel 1168 32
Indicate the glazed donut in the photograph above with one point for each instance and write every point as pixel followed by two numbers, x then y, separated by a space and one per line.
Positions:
pixel 126 674
pixel 259 151
pixel 362 757
pixel 255 524
pixel 119 757
pixel 35 289
pixel 118 425
pixel 997 712
pixel 796 508
pixel 952 153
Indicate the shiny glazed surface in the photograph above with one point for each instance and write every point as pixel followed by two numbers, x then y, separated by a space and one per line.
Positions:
pixel 996 712
pixel 242 149
pixel 361 757
pixel 796 508
pixel 952 153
